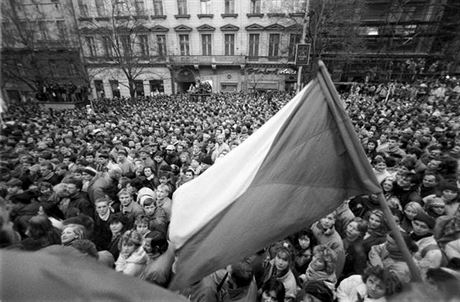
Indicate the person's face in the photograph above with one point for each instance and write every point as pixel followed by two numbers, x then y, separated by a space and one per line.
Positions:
pixel 102 208
pixel 101 160
pixel 269 296
pixel 125 199
pixel 387 185
pixel 127 248
pixel 158 159
pixel 163 180
pixel 148 245
pixel 77 175
pixel 374 221
pixel 85 176
pixel 147 172
pixel 116 227
pixel 420 228
pixel 142 228
pixel 380 166
pixel 449 195
pixel 433 164
pixel 328 224
pixel 194 164
pixel 89 158
pixel 352 230
pixel 149 209
pixel 71 188
pixel 410 213
pixel 392 143
pixel 371 145
pixel 304 242
pixel 317 263
pixel 375 287
pixel 435 153
pixel 281 261
pixel 404 182
pixel 44 170
pixel 429 181
pixel 68 235
pixel 161 194
pixel 188 175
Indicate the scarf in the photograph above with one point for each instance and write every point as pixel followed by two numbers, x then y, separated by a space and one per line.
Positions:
pixel 313 275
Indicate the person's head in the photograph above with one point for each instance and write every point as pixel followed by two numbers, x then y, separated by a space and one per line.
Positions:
pixel 356 228
pixel 125 197
pixel 115 172
pixel 387 184
pixel 411 209
pixel 282 259
pixel 163 191
pixel 430 180
pixel 306 239
pixel 376 220
pixel 73 185
pixel 241 274
pixel 435 206
pixel 86 247
pixel 141 224
pixel 423 224
pixel 189 175
pixel 155 242
pixel 130 241
pixel 406 180
pixel 324 259
pixel 121 155
pixel 149 206
pixel 102 206
pixel 148 171
pixel 39 226
pixel 379 165
pixel 449 191
pixel 273 291
pixel 315 291
pixel 72 232
pixel 117 223
pixel 380 282
pixel 327 224
pixel 46 167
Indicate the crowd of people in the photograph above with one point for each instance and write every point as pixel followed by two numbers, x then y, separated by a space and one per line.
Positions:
pixel 101 181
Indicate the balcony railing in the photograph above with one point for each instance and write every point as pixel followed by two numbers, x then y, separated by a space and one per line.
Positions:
pixel 207 60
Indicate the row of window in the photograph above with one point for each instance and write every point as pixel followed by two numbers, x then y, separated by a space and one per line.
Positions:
pixel 156 86
pixel 122 7
pixel 184 45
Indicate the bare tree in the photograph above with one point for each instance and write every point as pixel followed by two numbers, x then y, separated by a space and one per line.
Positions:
pixel 125 40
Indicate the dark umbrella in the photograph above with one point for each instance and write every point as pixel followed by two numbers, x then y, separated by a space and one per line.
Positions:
pixel 63 274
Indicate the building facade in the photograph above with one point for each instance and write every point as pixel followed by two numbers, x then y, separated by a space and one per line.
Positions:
pixel 40 51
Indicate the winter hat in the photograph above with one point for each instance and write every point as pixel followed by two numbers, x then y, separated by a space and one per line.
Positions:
pixel 423 217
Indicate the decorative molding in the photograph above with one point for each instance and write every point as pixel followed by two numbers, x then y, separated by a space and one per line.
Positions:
pixel 102 18
pixel 274 27
pixel 254 27
pixel 85 19
pixel 229 15
pixel 296 14
pixel 205 27
pixel 182 16
pixel 159 28
pixel 141 28
pixel 276 15
pixel 154 17
pixel 183 28
pixel 210 16
pixel 255 15
pixel 141 17
pixel 229 27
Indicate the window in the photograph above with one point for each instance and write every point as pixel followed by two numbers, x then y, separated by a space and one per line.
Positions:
pixel 156 86
pixel 43 30
pixel 294 39
pixel 91 46
pixel 121 7
pixel 255 7
pixel 273 45
pixel 157 7
pixel 53 67
pixel 100 7
pixel 182 7
pixel 229 44
pixel 229 6
pixel 184 45
pixel 139 5
pixel 72 69
pixel 205 6
pixel 161 45
pixel 115 88
pixel 126 44
pixel 144 45
pixel 254 45
pixel 228 87
pixel 61 29
pixel 107 43
pixel 206 44
pixel 99 85
pixel 83 8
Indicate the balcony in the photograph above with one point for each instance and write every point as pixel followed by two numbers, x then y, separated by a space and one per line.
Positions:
pixel 207 60
pixel 267 59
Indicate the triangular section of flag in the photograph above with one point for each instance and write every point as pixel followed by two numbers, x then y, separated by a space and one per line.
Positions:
pixel 299 166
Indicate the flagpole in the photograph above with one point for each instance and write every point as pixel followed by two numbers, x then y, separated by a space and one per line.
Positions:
pixel 399 239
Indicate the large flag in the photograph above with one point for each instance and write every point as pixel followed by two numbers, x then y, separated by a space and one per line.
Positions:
pixel 299 166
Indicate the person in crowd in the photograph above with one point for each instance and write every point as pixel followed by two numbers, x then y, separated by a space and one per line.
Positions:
pixel 410 211
pixel 304 242
pixel 375 284
pixel 273 291
pixel 160 258
pixel 72 232
pixel 279 269
pixel 102 231
pixel 322 267
pixel 355 256
pixel 40 234
pixel 118 224
pixel 376 230
pixel 133 258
